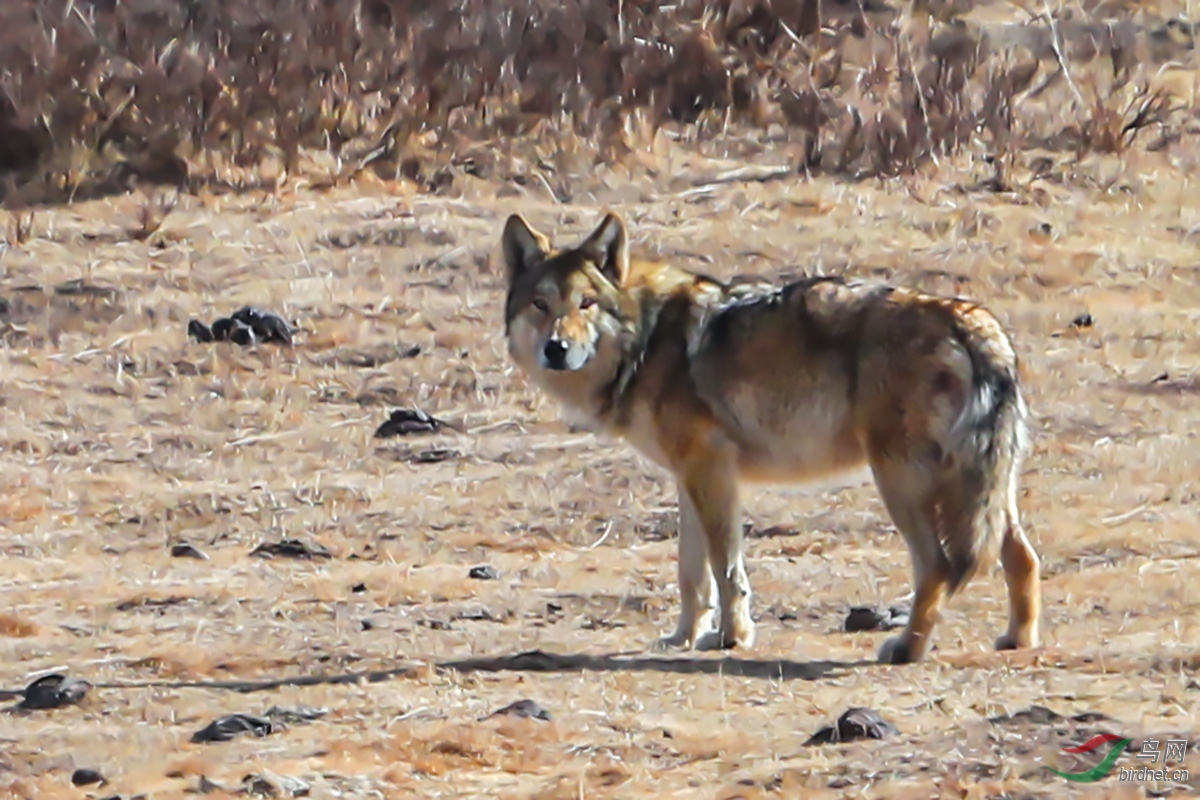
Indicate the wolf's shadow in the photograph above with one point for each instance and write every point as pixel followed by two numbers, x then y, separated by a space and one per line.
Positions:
pixel 769 669
pixel 529 661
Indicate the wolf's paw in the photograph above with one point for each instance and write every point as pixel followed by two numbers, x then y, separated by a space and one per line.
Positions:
pixel 726 640
pixel 896 650
pixel 677 640
pixel 1019 642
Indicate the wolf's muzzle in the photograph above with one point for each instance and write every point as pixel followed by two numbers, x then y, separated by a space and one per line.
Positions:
pixel 555 354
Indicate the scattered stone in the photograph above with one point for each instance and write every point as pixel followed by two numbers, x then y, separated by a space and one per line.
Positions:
pixel 523 709
pixel 358 588
pixel 185 550
pixel 207 786
pixel 199 331
pixel 54 691
pixel 408 421
pixel 78 287
pixel 368 625
pixel 370 357
pixel 856 723
pixel 270 785
pixel 295 715
pixel 484 572
pixel 433 456
pixel 435 624
pixel 87 777
pixel 227 727
pixel 868 618
pixel 1040 715
pixel 290 548
pixel 258 786
pixel 246 326
pixel 151 602
pixel 1083 321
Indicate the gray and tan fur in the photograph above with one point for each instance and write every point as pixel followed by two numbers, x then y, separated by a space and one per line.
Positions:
pixel 724 385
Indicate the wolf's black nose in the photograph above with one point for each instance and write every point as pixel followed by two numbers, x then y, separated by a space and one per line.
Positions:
pixel 556 353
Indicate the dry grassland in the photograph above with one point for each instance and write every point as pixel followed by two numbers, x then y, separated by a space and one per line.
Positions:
pixel 120 437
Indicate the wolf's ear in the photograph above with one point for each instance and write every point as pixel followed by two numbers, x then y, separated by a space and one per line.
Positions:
pixel 523 246
pixel 609 248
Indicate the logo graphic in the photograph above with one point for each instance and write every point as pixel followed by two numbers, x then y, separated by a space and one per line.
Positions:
pixel 1104 767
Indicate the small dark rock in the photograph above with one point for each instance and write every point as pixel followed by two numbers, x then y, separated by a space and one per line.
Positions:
pixel 87 777
pixel 368 625
pixel 256 785
pixel 222 328
pixel 523 709
pixel 245 326
pixel 868 618
pixel 294 715
pixel 434 455
pixel 1040 715
pixel 199 331
pixel 225 728
pixel 358 588
pixel 54 691
pixel 856 723
pixel 290 548
pixel 435 624
pixel 484 572
pixel 242 334
pixel 265 326
pixel 207 786
pixel 408 421
pixel 185 550
pixel 1083 321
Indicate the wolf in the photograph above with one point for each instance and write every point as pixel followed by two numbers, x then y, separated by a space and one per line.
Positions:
pixel 729 383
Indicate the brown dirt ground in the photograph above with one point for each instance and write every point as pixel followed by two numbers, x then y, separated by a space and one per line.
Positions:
pixel 120 437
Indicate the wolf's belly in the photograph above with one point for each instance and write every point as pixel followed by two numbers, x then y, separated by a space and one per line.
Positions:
pixel 808 441
pixel 802 457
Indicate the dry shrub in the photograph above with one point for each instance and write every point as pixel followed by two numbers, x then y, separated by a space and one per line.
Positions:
pixel 99 96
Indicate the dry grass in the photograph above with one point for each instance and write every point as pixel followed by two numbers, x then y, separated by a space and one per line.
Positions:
pixel 1046 198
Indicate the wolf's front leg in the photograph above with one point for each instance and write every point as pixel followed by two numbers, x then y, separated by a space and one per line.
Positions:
pixel 712 486
pixel 697 600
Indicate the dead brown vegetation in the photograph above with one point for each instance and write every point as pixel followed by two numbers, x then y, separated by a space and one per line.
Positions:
pixel 99 96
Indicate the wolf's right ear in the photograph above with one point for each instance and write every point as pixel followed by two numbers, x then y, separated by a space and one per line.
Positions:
pixel 523 246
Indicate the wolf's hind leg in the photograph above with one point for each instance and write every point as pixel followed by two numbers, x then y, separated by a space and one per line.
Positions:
pixel 1022 574
pixel 906 495
pixel 697 591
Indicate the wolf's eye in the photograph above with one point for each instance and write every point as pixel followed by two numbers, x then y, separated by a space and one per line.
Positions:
pixel 541 305
pixel 587 302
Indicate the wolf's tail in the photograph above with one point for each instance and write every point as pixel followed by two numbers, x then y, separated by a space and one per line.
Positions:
pixel 990 440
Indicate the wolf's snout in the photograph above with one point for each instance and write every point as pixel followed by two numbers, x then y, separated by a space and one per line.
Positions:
pixel 555 352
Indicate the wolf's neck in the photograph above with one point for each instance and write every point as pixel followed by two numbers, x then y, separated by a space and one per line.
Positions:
pixel 641 328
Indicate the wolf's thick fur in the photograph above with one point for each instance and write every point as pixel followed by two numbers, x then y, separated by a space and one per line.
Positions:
pixel 726 383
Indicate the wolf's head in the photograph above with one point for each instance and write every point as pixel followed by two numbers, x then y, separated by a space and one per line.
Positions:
pixel 563 311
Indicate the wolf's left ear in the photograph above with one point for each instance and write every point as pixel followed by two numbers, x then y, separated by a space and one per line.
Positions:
pixel 609 247
pixel 523 246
